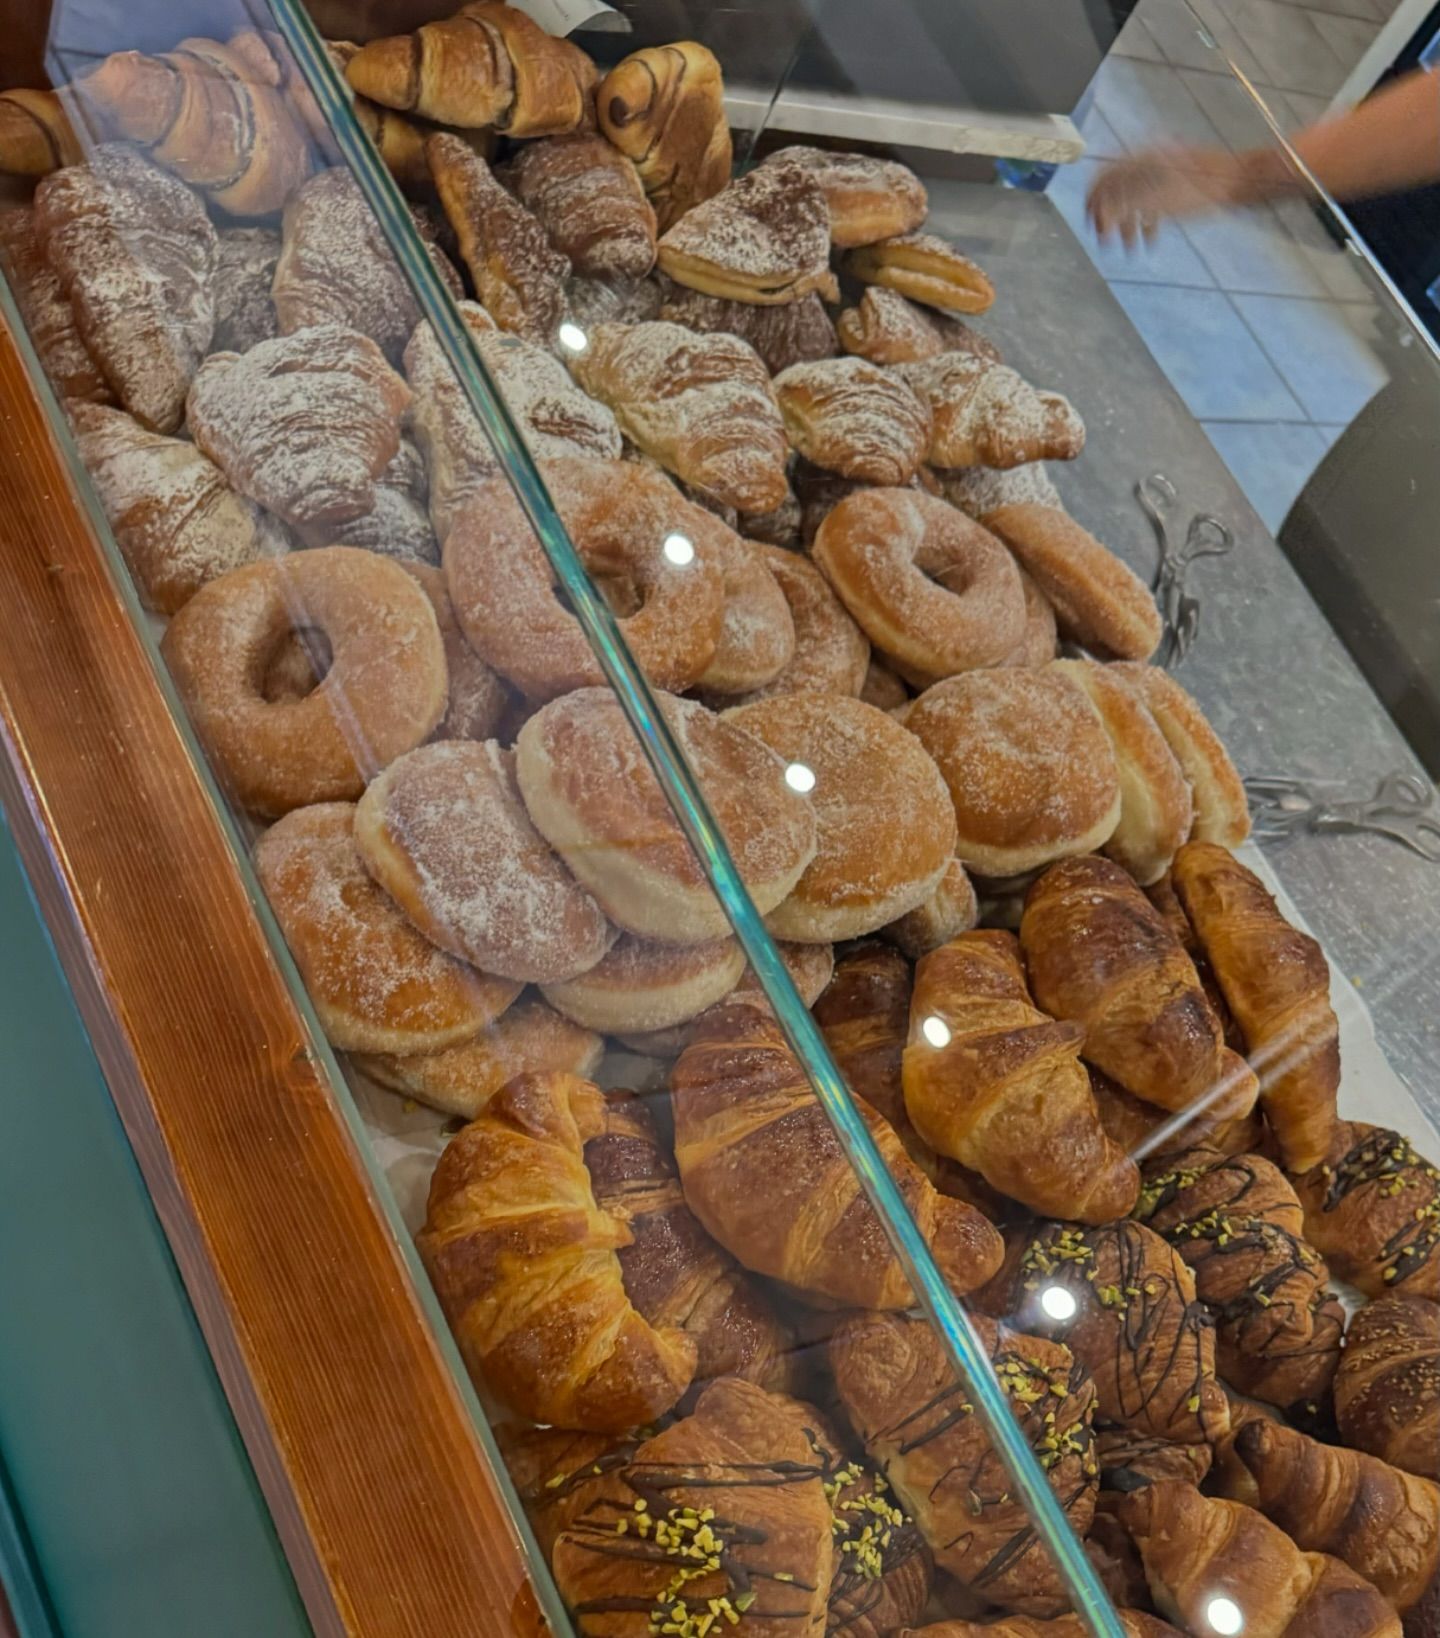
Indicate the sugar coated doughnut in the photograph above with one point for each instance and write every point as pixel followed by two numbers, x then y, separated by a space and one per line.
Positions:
pixel 652 552
pixel 832 654
pixel 1037 646
pixel 477 698
pixel 444 832
pixel 592 794
pixel 950 910
pixel 930 587
pixel 461 1080
pixel 1028 763
pixel 384 692
pixel 757 631
pixel 642 985
pixel 376 983
pixel 884 827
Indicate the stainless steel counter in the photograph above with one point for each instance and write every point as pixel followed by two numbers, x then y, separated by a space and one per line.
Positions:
pixel 1275 680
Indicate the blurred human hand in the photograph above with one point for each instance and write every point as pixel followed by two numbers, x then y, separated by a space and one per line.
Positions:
pixel 1132 197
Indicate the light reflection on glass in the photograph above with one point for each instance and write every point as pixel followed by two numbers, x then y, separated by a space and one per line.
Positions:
pixel 936 1031
pixel 1058 1303
pixel 679 549
pixel 1224 1616
pixel 572 337
pixel 800 778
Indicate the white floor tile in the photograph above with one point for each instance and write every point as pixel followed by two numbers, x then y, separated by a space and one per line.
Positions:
pixel 1228 38
pixel 1272 464
pixel 1171 259
pixel 1287 43
pixel 1316 348
pixel 1348 37
pixel 1101 141
pixel 1178 31
pixel 1250 250
pixel 1135 40
pixel 1148 105
pixel 1230 109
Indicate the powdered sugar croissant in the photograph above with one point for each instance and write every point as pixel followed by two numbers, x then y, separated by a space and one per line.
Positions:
pixel 987 414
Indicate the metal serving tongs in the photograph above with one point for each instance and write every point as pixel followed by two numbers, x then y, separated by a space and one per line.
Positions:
pixel 1403 807
pixel 1207 536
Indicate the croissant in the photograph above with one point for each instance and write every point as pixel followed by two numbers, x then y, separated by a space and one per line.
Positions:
pixel 525 1265
pixel 49 318
pixel 1372 1207
pixel 886 328
pixel 1136 1326
pixel 1134 1623
pixel 744 1111
pixel 1147 1133
pixel 1198 1549
pixel 135 255
pixel 36 136
pixel 1387 1390
pixel 1238 1225
pixel 797 333
pixel 854 418
pixel 554 1472
pixel 1128 1459
pixel 1100 953
pixel 664 109
pixel 1276 982
pixel 489 64
pixel 733 1491
pixel 588 198
pixel 699 405
pixel 902 1397
pixel 1166 900
pixel 675 1274
pixel 986 414
pixel 993 1083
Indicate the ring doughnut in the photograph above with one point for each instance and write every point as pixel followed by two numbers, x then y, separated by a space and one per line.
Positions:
pixel 444 832
pixel 592 794
pixel 383 694
pixel 1037 646
pixel 641 985
pixel 477 698
pixel 930 588
pixel 620 515
pixel 377 984
pixel 832 654
pixel 885 830
pixel 757 631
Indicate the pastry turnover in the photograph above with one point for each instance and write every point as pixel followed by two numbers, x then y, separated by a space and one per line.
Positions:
pixel 926 269
pixel 869 198
pixel 887 328
pixel 795 333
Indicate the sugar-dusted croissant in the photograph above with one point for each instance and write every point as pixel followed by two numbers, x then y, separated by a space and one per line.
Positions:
pixel 1134 1322
pixel 886 328
pixel 699 405
pixel 1101 954
pixel 1199 1550
pixel 588 198
pixel 854 418
pixel 995 1084
pixel 795 333
pixel 765 1173
pixel 1372 1207
pixel 489 64
pixel 734 1491
pixel 1382 1522
pixel 36 136
pixel 49 318
pixel 135 255
pixel 1238 1225
pixel 675 1274
pixel 1133 1623
pixel 986 414
pixel 525 1265
pixel 901 1395
pixel 1387 1390
pixel 1276 982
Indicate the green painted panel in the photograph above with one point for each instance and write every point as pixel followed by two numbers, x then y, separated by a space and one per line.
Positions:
pixel 141 1511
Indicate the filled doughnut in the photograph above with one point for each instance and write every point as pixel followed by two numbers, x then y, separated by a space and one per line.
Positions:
pixel 657 557
pixel 885 831
pixel 1028 763
pixel 757 631
pixel 444 832
pixel 1037 646
pixel 930 587
pixel 384 692
pixel 832 654
pixel 377 984
pixel 477 697
pixel 642 985
pixel 950 910
pixel 592 794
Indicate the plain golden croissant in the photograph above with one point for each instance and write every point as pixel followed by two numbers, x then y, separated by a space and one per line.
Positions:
pixel 1276 982
pixel 993 1083
pixel 901 1395
pixel 1134 1623
pixel 1198 1550
pixel 765 1173
pixel 1100 953
pixel 1387 1390
pixel 36 136
pixel 675 1274
pixel 1238 1225
pixel 45 308
pixel 736 1490
pixel 525 1265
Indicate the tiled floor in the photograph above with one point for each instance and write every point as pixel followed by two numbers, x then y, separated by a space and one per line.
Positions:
pixel 1261 321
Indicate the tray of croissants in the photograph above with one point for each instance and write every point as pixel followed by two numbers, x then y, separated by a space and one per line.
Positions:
pixel 1004 856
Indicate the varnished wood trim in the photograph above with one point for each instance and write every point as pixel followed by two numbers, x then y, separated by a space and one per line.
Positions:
pixel 380 1488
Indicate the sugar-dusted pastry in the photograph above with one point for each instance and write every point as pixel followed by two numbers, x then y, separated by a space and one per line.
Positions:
pixel 477 699
pixel 620 516
pixel 1038 642
pixel 46 310
pixel 176 520
pixel 884 826
pixel 986 414
pixel 135 255
pixel 489 64
pixel 757 633
pixel 592 794
pixel 795 333
pixel 640 985
pixel 244 311
pixel 1028 764
pixel 780 526
pixel 398 524
pixel 699 405
pixel 883 688
pixel 926 269
pixel 980 490
pixel 869 198
pixel 36 136
pixel 664 109
pixel 931 589
pixel 588 198
pixel 376 984
pixel 613 301
pixel 303 424
pixel 887 328
pixel 854 418
pixel 831 653
pixel 524 1263
pixel 953 908
pixel 764 239
pixel 518 277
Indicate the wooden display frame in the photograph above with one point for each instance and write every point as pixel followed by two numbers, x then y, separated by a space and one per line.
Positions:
pixel 385 1500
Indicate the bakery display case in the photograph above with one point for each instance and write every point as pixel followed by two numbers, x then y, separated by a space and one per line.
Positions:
pixel 664 884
